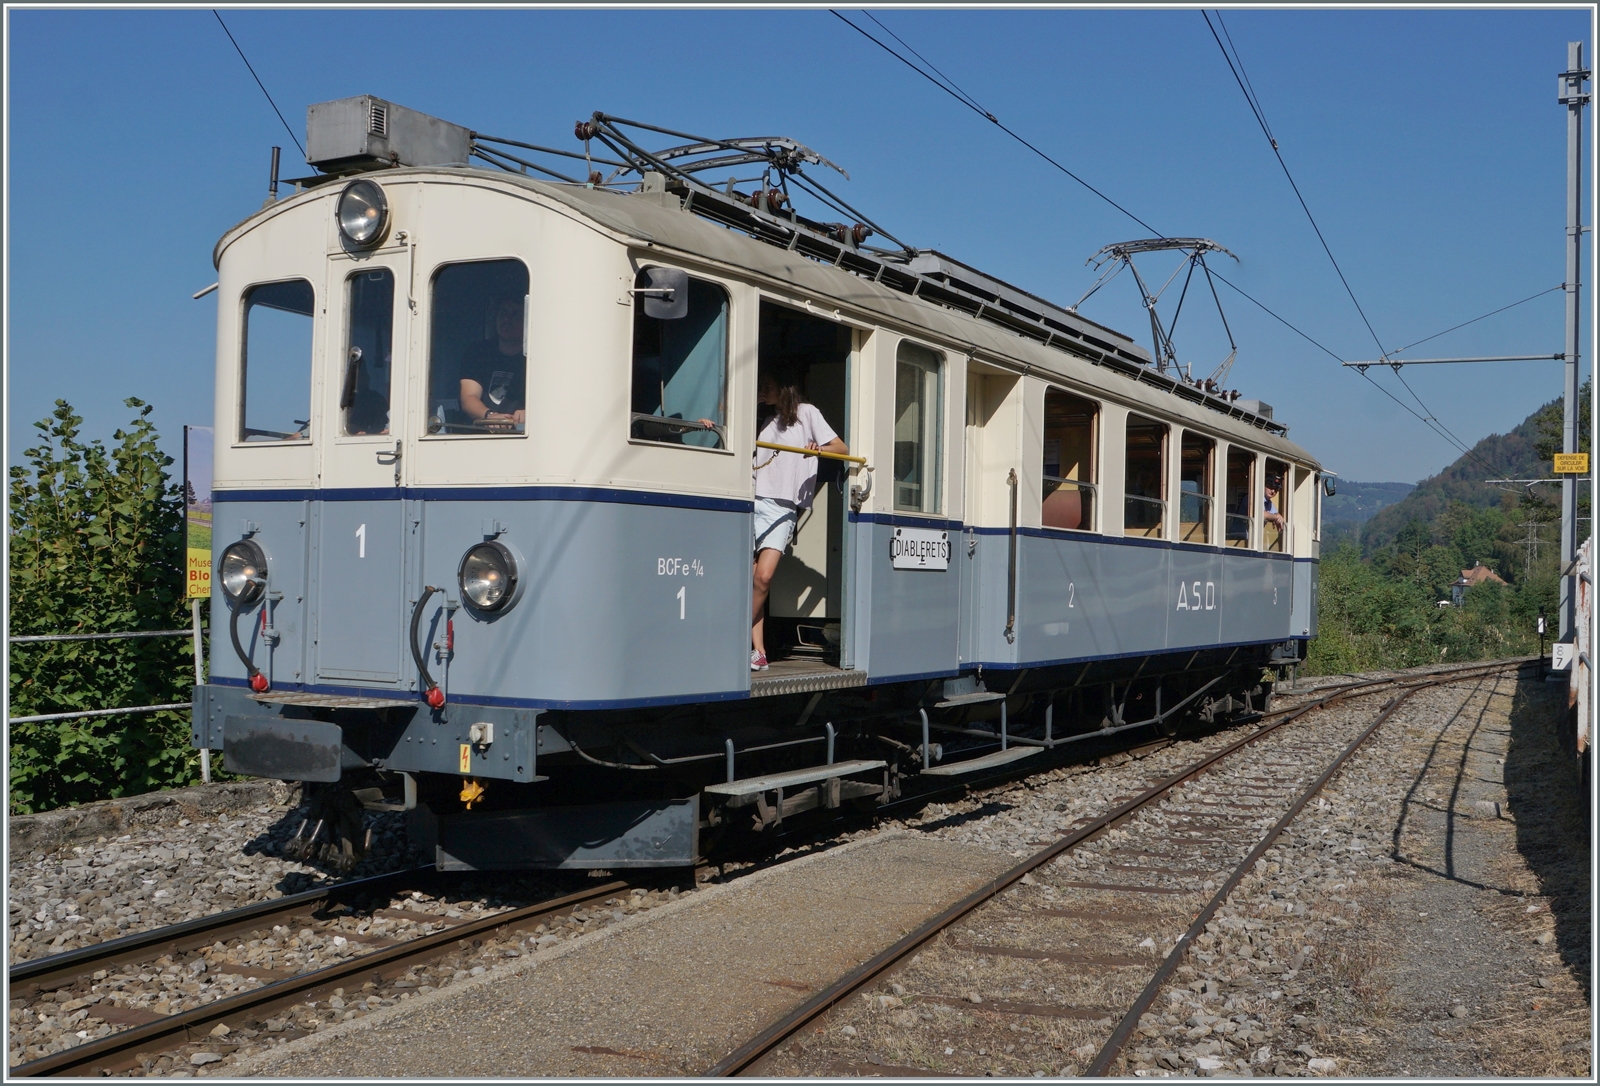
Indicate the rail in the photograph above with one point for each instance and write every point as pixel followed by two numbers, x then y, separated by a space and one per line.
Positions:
pixel 745 1059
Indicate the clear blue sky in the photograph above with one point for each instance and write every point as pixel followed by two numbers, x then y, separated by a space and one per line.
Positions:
pixel 1428 144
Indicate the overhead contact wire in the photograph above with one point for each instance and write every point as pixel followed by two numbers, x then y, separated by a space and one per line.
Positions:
pixel 260 84
pixel 980 111
pixel 1475 320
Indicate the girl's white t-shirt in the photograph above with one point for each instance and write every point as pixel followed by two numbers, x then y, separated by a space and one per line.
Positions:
pixel 790 477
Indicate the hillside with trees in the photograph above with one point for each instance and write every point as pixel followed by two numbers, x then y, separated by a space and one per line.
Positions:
pixel 1380 603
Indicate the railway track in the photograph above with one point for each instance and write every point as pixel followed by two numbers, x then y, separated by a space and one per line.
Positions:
pixel 386 966
pixel 382 970
pixel 1217 818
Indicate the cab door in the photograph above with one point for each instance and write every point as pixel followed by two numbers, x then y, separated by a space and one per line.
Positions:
pixel 360 538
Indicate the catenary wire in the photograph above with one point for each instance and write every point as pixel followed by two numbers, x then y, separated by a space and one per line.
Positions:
pixel 991 117
pixel 1255 100
pixel 260 84
pixel 971 101
pixel 1303 206
pixel 1430 417
pixel 950 88
pixel 1475 320
pixel 1242 77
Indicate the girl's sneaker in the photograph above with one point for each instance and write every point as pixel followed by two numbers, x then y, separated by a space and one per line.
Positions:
pixel 758 660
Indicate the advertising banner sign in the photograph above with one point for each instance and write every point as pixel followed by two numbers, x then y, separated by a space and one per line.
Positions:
pixel 197 508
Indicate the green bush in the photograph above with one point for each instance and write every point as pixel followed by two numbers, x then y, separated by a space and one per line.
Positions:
pixel 97 547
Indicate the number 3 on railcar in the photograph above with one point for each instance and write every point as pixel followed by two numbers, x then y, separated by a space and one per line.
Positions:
pixel 483 501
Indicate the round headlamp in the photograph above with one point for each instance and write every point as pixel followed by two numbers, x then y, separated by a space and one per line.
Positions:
pixel 488 576
pixel 363 213
pixel 243 572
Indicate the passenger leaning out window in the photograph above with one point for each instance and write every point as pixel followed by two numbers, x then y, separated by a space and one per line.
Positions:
pixel 493 372
pixel 785 484
pixel 1272 514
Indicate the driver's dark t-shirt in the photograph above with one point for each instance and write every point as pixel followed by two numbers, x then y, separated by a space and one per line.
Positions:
pixel 502 377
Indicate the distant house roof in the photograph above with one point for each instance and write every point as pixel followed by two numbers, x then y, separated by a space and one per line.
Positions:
pixel 1477 575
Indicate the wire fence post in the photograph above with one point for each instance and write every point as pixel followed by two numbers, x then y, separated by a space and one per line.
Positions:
pixel 199 680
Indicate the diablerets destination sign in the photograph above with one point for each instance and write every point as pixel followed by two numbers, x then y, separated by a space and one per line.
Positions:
pixel 919 548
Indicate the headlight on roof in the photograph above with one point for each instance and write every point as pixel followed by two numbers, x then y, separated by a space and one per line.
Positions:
pixel 488 576
pixel 242 571
pixel 363 213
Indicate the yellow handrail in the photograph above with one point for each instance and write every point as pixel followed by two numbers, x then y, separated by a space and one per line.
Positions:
pixel 811 452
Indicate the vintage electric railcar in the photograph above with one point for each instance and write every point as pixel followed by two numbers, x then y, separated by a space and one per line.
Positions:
pixel 530 628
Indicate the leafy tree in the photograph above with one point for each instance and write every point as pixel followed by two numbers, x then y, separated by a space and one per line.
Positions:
pixel 97 547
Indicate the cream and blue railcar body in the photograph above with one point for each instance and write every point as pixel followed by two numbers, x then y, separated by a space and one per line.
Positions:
pixel 624 639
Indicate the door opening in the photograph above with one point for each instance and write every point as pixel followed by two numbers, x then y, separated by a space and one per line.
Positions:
pixel 804 619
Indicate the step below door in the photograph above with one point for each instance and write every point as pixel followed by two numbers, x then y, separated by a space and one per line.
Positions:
pixel 361 621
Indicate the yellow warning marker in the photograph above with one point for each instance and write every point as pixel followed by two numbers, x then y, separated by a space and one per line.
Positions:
pixel 1572 463
pixel 471 792
pixel 466 757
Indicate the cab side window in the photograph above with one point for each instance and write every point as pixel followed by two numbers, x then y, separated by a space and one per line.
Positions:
pixel 680 360
pixel 1145 492
pixel 368 352
pixel 918 388
pixel 1069 464
pixel 477 368
pixel 275 362
pixel 1239 518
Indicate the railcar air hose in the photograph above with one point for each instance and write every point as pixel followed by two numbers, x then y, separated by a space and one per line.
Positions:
pixel 432 694
pixel 258 682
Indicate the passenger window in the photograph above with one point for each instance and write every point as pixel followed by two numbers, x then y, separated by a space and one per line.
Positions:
pixel 275 362
pixel 368 352
pixel 1194 504
pixel 1144 495
pixel 1274 507
pixel 917 408
pixel 1069 467
pixel 680 369
pixel 477 368
pixel 1241 469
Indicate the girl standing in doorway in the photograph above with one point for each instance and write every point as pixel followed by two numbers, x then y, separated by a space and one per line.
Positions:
pixel 785 484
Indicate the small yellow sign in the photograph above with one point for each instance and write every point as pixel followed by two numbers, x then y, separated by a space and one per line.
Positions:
pixel 1572 463
pixel 466 757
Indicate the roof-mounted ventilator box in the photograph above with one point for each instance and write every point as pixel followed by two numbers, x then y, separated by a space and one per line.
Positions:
pixel 367 133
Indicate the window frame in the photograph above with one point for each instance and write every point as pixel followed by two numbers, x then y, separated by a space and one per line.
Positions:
pixel 933 458
pixel 1208 498
pixel 1285 484
pixel 1252 518
pixel 429 434
pixel 725 430
pixel 396 340
pixel 1164 502
pixel 242 367
pixel 1092 485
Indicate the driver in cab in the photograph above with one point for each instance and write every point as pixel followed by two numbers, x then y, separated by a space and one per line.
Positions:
pixel 494 372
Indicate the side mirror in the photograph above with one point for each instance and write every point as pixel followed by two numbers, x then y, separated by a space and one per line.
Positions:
pixel 1327 486
pixel 665 292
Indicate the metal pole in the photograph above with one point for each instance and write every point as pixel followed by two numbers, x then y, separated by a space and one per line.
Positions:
pixel 1573 97
pixel 200 680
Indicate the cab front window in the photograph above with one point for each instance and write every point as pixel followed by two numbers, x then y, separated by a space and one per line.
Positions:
pixel 275 362
pixel 477 365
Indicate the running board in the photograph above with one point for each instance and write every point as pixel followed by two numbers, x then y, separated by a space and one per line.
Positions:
pixel 988 761
pixel 751 786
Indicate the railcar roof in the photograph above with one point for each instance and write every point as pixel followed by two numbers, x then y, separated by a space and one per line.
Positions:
pixel 647 218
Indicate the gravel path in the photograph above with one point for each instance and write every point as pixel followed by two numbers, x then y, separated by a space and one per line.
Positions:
pixel 669 993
